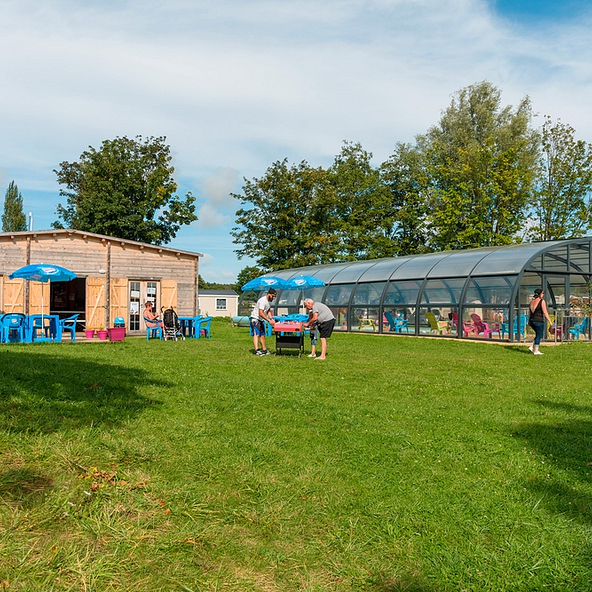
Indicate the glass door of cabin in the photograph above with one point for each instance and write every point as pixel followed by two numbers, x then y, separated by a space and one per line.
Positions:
pixel 141 292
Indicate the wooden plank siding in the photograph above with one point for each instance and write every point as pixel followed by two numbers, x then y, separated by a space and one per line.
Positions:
pixel 106 263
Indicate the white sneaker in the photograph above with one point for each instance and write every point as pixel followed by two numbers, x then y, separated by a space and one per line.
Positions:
pixel 531 348
pixel 538 353
pixel 312 355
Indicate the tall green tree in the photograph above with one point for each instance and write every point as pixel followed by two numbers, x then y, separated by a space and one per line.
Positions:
pixel 562 199
pixel 404 174
pixel 13 219
pixel 359 210
pixel 481 162
pixel 124 189
pixel 245 275
pixel 282 221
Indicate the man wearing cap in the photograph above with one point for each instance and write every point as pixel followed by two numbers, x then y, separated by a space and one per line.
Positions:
pixel 325 321
pixel 262 312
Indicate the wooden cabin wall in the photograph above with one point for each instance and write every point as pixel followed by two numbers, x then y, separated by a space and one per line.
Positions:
pixel 103 262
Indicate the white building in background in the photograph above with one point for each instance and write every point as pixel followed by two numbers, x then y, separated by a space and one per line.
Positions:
pixel 218 303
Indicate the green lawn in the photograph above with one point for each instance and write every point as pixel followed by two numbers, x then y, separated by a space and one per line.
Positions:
pixel 396 464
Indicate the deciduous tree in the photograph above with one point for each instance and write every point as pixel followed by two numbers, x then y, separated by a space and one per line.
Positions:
pixel 481 163
pixel 282 223
pixel 124 189
pixel 562 199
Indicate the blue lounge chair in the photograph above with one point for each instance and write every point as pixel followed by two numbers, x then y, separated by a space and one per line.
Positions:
pixel 516 330
pixel 580 328
pixel 396 324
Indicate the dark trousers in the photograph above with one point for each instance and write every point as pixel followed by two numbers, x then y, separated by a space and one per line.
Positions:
pixel 539 330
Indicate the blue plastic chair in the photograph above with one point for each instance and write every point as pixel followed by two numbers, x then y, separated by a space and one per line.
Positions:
pixel 69 324
pixel 203 325
pixel 580 328
pixel 396 324
pixel 13 327
pixel 516 330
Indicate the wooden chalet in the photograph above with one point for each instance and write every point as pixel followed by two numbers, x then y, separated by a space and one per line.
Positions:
pixel 114 277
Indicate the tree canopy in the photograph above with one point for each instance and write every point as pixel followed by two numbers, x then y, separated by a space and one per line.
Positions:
pixel 482 176
pixel 124 189
pixel 562 197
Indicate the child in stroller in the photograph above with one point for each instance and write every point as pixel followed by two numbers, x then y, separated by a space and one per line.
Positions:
pixel 172 326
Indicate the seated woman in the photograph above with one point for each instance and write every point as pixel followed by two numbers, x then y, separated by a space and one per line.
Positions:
pixel 150 318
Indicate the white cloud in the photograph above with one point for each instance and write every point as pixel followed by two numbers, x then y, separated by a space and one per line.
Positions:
pixel 236 85
pixel 209 217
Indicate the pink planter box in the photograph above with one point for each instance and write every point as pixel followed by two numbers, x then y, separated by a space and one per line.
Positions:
pixel 116 333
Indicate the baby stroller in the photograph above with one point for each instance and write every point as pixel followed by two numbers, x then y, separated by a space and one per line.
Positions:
pixel 172 326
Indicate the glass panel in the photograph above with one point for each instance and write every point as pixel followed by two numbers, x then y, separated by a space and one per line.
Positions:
pixel 338 295
pixel 459 263
pixel 555 260
pixel 530 282
pixel 537 263
pixel 399 319
pixel 288 298
pixel 419 266
pixel 508 260
pixel 364 319
pixel 352 272
pixel 383 269
pixel 443 291
pixel 555 293
pixel 402 293
pixel 490 290
pixel 134 306
pixel 579 257
pixel 438 321
pixel 369 293
pixel 340 314
pixel 484 322
pixel 323 272
pixel 580 298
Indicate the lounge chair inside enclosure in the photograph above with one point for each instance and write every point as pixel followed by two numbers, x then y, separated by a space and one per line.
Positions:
pixel 580 328
pixel 69 324
pixel 436 326
pixel 396 324
pixel 488 329
pixel 13 327
pixel 517 328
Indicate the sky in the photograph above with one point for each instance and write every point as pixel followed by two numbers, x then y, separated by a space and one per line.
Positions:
pixel 236 85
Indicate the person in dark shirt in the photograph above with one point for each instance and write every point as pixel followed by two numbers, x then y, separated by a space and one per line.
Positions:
pixel 538 314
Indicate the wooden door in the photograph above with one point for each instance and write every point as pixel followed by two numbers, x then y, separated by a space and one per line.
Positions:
pixel 118 299
pixel 39 296
pixel 13 295
pixel 168 294
pixel 95 303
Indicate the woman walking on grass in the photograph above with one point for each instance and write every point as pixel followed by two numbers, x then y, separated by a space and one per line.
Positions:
pixel 538 314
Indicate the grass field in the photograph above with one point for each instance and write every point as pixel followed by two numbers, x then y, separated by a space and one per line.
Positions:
pixel 396 464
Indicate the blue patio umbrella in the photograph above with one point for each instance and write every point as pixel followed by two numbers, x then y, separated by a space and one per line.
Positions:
pixel 264 282
pixel 43 272
pixel 302 282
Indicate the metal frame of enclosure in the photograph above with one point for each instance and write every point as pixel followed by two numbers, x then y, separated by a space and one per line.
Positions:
pixel 476 294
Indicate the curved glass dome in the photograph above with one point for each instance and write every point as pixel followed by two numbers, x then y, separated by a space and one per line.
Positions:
pixel 477 293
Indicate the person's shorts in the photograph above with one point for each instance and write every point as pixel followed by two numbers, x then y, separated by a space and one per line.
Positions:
pixel 257 326
pixel 326 328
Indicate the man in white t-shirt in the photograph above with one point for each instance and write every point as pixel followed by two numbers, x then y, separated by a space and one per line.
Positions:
pixel 262 312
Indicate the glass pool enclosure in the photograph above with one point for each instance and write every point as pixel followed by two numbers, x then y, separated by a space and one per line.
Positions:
pixel 476 294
